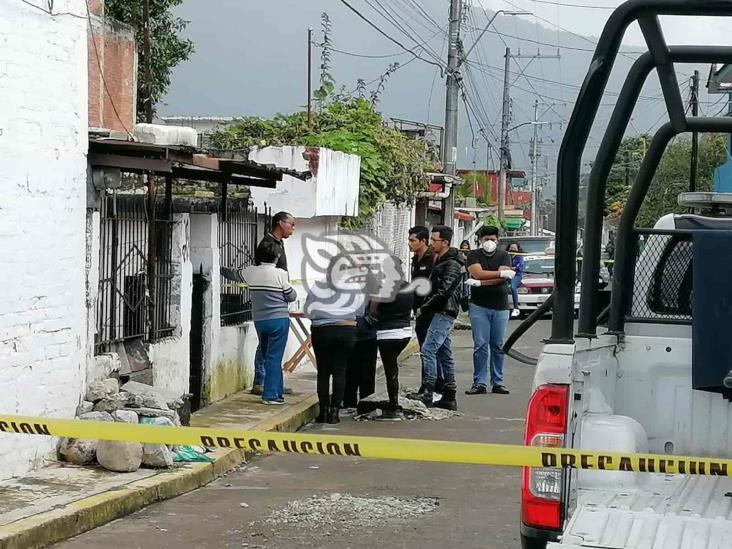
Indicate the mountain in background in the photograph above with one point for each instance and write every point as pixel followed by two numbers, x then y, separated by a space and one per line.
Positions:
pixel 251 59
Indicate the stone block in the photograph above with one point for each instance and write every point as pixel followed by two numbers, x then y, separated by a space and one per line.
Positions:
pixel 166 135
pixel 125 416
pixel 155 412
pixel 97 416
pixel 84 408
pixel 121 457
pixel 111 403
pixel 156 456
pixel 105 365
pixel 78 451
pixel 101 389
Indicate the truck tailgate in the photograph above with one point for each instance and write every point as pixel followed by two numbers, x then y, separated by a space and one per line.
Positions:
pixel 667 512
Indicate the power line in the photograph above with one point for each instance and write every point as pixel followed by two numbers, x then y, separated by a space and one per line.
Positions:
pixel 50 12
pixel 385 35
pixel 396 20
pixel 385 55
pixel 570 5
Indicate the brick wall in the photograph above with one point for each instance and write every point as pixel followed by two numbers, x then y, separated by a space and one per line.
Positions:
pixel 117 57
pixel 43 123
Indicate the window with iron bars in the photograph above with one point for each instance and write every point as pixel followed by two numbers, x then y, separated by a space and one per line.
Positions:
pixel 238 239
pixel 134 300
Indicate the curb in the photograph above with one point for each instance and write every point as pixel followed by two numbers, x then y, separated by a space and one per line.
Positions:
pixel 86 514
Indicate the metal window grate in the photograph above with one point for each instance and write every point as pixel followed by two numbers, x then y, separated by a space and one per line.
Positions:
pixel 662 288
pixel 238 238
pixel 126 307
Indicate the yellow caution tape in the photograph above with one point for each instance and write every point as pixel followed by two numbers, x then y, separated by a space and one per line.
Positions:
pixel 368 447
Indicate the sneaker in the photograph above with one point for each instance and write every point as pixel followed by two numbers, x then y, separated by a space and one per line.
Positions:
pixel 274 402
pixel 515 313
pixel 477 390
pixel 500 390
pixel 257 390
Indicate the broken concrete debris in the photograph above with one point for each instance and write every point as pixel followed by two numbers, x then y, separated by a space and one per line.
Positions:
pixel 156 456
pixel 125 416
pixel 78 451
pixel 102 389
pixel 370 408
pixel 134 402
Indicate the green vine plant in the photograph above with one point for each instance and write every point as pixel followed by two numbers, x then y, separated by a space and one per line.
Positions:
pixel 393 166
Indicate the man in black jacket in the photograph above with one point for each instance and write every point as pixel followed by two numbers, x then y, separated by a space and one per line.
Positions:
pixel 443 304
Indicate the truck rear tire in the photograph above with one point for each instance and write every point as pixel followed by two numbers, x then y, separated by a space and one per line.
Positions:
pixel 532 543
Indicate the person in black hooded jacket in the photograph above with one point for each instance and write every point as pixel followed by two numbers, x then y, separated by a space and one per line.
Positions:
pixel 443 303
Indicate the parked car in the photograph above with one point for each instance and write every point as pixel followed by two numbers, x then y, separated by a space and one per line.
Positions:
pixel 530 244
pixel 538 283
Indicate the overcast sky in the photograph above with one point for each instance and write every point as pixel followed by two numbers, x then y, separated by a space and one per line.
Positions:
pixel 250 59
pixel 590 22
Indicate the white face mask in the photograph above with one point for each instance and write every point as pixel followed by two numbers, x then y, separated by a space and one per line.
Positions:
pixel 489 246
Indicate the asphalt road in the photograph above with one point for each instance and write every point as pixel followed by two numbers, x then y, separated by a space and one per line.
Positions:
pixel 279 501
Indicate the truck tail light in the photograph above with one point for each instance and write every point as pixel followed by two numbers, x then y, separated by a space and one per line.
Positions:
pixel 546 424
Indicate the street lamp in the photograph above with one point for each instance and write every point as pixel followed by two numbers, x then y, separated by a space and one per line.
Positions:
pixel 504 12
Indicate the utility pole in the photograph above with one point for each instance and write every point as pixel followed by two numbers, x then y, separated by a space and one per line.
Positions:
pixel 534 159
pixel 505 121
pixel 310 79
pixel 449 148
pixel 694 135
pixel 505 152
pixel 148 63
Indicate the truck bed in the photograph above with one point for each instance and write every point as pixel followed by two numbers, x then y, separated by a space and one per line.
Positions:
pixel 667 512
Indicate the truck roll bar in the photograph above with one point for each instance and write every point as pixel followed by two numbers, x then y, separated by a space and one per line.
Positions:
pixel 580 124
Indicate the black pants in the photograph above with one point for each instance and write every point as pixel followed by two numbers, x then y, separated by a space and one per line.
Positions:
pixel 360 372
pixel 332 346
pixel 390 349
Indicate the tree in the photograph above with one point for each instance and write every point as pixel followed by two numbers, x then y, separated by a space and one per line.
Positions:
pixel 393 166
pixel 672 175
pixel 167 48
pixel 473 181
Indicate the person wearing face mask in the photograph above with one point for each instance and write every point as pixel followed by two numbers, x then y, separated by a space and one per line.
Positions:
pixel 491 274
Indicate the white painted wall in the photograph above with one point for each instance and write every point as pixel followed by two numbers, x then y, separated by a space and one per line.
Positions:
pixel 43 126
pixel 332 191
pixel 170 357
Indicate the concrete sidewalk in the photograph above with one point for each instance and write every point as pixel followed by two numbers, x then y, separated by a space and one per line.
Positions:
pixel 61 500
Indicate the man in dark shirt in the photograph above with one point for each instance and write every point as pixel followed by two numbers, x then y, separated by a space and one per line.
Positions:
pixel 491 273
pixel 422 262
pixel 283 225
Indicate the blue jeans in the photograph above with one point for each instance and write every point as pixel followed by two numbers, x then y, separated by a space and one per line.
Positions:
pixel 421 325
pixel 272 341
pixel 259 366
pixel 515 283
pixel 489 330
pixel 437 348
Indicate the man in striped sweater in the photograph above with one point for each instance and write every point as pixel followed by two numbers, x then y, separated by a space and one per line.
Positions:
pixel 271 292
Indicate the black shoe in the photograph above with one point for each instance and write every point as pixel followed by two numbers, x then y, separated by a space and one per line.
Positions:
pixel 448 400
pixel 500 390
pixel 426 397
pixel 322 416
pixel 416 396
pixel 439 386
pixel 333 415
pixel 477 390
pixel 390 414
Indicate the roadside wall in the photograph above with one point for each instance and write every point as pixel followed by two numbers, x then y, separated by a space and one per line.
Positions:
pixel 43 330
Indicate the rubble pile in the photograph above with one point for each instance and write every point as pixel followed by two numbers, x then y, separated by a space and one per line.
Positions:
pixel 345 511
pixel 370 408
pixel 133 402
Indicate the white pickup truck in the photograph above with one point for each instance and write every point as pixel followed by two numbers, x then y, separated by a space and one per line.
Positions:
pixel 651 371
